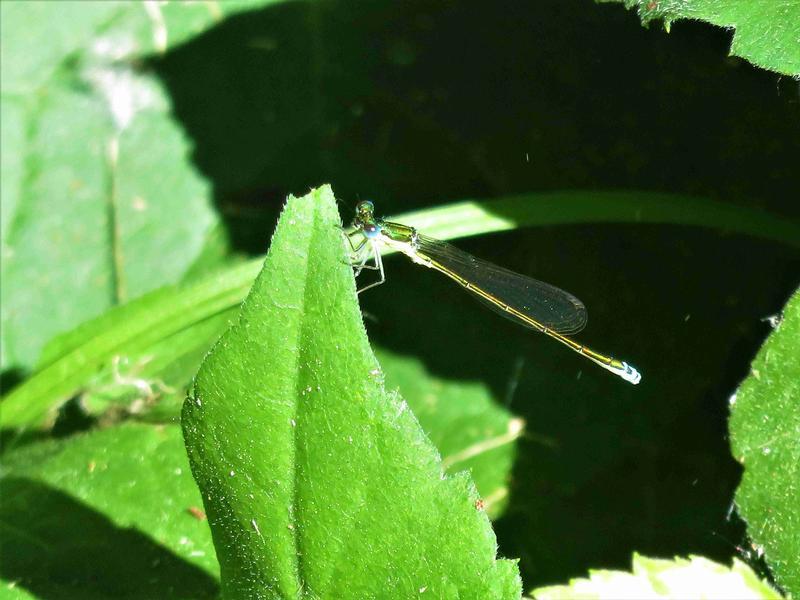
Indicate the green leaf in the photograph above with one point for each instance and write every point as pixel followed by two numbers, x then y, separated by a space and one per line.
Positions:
pixel 695 577
pixel 103 241
pixel 155 27
pixel 105 514
pixel 314 478
pixel 765 438
pixel 470 430
pixel 99 165
pixel 38 37
pixel 766 33
pixel 12 591
pixel 87 227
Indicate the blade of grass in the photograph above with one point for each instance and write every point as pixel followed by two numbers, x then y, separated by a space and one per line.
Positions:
pixel 128 329
pixel 475 217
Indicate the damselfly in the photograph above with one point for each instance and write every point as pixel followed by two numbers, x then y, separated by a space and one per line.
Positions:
pixel 526 301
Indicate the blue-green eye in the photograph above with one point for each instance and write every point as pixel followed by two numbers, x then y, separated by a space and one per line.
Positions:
pixel 365 206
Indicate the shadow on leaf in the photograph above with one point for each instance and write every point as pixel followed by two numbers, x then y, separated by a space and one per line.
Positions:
pixel 56 547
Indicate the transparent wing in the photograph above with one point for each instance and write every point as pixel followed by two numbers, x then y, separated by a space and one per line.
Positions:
pixel 541 302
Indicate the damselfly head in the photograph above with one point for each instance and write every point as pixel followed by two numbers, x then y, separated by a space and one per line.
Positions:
pixel 364 210
pixel 365 219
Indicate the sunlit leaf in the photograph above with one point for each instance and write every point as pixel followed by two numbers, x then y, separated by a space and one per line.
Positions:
pixel 765 33
pixel 765 438
pixel 695 577
pixel 315 478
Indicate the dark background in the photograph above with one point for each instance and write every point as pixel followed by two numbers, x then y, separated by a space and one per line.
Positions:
pixel 417 104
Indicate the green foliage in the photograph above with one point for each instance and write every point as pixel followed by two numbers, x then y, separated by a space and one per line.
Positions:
pixel 766 33
pixel 765 439
pixel 88 517
pixel 315 479
pixel 696 577
pixel 465 423
pixel 89 217
pixel 146 150
pixel 134 331
pixel 76 29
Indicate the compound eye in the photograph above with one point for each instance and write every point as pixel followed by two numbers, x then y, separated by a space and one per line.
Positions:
pixel 365 206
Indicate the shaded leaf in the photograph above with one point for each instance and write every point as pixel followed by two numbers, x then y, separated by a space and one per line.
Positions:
pixel 152 384
pixel 313 477
pixel 765 438
pixel 105 514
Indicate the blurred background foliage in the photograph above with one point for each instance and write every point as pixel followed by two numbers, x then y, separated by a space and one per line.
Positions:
pixel 416 104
